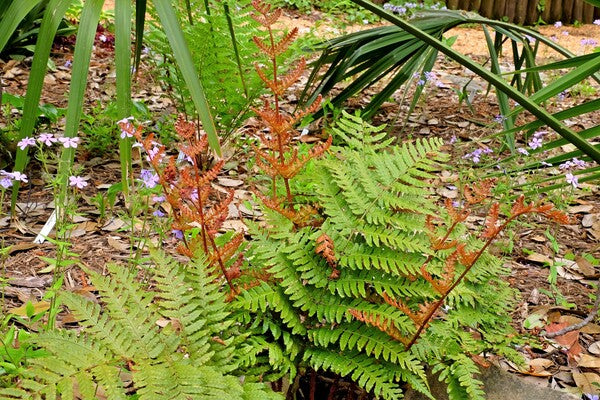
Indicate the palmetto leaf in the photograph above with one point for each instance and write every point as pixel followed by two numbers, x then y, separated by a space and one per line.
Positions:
pixel 371 56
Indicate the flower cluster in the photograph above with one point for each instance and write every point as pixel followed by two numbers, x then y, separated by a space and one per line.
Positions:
pixel 475 156
pixel 48 139
pixel 409 6
pixel 500 118
pixel 568 166
pixel 428 76
pixel 536 140
pixel 558 24
pixel 588 42
pixel 7 178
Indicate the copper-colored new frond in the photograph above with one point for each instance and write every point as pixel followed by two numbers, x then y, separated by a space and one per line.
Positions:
pixel 381 323
pixel 477 193
pixel 491 223
pixel 186 130
pixel 284 82
pixel 443 284
pixel 299 114
pixel 326 249
pixel 557 216
pixel 466 258
pixel 275 120
pixel 303 217
pixel 457 214
pixel 438 243
pixel 216 216
pixel 285 41
pixel 264 47
pixel 211 174
pixel 265 19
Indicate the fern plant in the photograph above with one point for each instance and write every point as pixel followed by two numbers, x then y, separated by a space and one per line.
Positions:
pixel 172 337
pixel 390 282
pixel 219 34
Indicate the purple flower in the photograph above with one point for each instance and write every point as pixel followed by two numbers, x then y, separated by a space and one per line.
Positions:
pixel 453 139
pixel 26 142
pixel 588 42
pixel 68 64
pixel 597 22
pixel 17 176
pixel 592 396
pixel 565 33
pixel 430 76
pixel 77 181
pixel 47 138
pixel 146 50
pixel 178 234
pixel 500 118
pixel 69 142
pixel 557 24
pixel 102 38
pixel 572 180
pixel 475 156
pixel 523 151
pixel 149 178
pixel 578 163
pixel 6 182
pixel 158 213
pixel 535 143
pixel 125 132
pixel 561 96
pixel 152 153
pixel 554 38
pixel 420 82
pixel 158 199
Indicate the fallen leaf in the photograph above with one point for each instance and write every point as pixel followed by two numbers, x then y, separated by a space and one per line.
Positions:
pixel 38 307
pixel 115 243
pixel 584 208
pixel 588 361
pixel 539 258
pixel 590 328
pixel 228 182
pixel 113 225
pixel 588 220
pixel 587 382
pixel 570 340
pixel 586 267
pixel 594 348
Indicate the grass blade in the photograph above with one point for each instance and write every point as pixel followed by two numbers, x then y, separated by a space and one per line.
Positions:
pixel 499 83
pixel 14 15
pixel 55 10
pixel 123 70
pixel 188 70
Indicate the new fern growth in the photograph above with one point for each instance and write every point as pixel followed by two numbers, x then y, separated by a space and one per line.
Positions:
pixel 278 159
pixel 198 210
pixel 389 281
pixel 171 338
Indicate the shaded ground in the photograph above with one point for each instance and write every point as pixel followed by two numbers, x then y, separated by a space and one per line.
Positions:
pixel 101 238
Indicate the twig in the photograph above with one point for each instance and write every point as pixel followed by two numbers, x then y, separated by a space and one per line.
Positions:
pixel 583 323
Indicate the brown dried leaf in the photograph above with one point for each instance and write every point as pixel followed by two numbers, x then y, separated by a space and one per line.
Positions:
pixel 585 381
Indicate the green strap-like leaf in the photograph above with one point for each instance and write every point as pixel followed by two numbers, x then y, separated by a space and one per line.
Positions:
pixel 55 10
pixel 14 15
pixel 496 81
pixel 81 62
pixel 123 70
pixel 188 70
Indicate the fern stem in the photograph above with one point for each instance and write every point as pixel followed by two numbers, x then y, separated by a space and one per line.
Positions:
pixel 440 302
pixel 227 12
pixel 220 261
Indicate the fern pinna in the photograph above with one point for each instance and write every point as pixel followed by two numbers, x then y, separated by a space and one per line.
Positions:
pixel 195 205
pixel 390 282
pixel 171 338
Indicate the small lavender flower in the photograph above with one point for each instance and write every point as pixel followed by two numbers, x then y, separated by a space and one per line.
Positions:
pixel 149 178
pixel 77 181
pixel 158 199
pixel 178 234
pixel 535 143
pixel 6 182
pixel 523 151
pixel 125 130
pixel 597 22
pixel 562 95
pixel 69 142
pixel 588 42
pixel 572 180
pixel 17 176
pixel 578 163
pixel 588 395
pixel 152 153
pixel 453 139
pixel 158 213
pixel 554 38
pixel 565 33
pixel 26 142
pixel 420 82
pixel 430 76
pixel 47 138
pixel 102 38
pixel 500 118
pixel 146 50
pixel 557 24
pixel 68 64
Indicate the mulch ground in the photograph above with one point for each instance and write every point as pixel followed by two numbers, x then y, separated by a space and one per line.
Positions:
pixel 102 238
